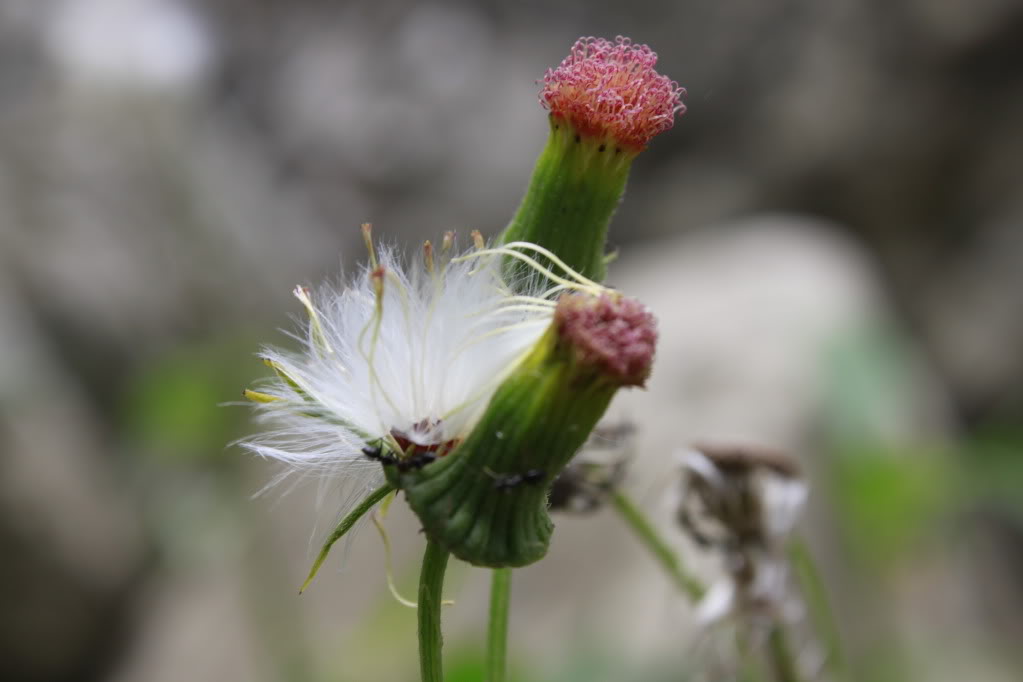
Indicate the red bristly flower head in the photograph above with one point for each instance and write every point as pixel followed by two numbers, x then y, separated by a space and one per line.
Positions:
pixel 609 89
pixel 611 333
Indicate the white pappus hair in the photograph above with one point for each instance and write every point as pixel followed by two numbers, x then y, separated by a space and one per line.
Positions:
pixel 404 353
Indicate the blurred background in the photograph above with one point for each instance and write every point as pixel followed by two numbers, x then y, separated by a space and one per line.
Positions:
pixel 832 238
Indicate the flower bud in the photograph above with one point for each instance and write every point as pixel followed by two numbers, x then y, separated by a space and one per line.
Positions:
pixel 740 496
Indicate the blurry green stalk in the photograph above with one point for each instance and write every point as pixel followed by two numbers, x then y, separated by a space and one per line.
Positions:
pixel 816 594
pixel 779 655
pixel 647 533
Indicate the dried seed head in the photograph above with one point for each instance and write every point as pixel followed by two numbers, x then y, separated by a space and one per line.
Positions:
pixel 739 497
pixel 744 502
pixel 743 458
pixel 596 471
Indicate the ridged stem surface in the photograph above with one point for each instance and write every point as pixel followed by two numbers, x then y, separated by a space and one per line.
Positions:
pixel 497 632
pixel 431 584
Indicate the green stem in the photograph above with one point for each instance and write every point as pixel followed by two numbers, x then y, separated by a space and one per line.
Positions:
pixel 345 526
pixel 662 551
pixel 576 186
pixel 431 584
pixel 820 606
pixel 779 654
pixel 497 634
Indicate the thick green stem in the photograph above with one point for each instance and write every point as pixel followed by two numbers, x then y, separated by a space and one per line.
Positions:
pixel 662 551
pixel 576 186
pixel 497 633
pixel 431 584
pixel 779 654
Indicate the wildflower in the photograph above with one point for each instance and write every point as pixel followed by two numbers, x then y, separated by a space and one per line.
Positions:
pixel 611 93
pixel 449 385
pixel 744 502
pixel 606 103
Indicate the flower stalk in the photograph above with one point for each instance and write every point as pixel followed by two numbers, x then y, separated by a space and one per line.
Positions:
pixel 431 585
pixel 667 557
pixel 779 655
pixel 816 593
pixel 497 631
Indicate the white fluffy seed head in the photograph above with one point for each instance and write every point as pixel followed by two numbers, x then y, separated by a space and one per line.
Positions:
pixel 414 350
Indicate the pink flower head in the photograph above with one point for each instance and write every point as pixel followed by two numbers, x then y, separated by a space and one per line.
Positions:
pixel 612 333
pixel 607 89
